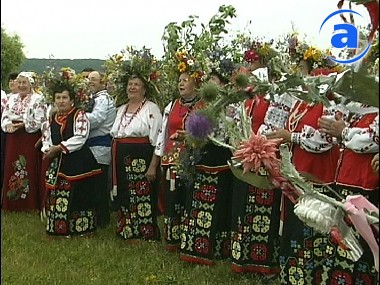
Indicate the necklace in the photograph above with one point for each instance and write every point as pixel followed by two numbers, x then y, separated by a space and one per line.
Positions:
pixel 188 101
pixel 301 109
pixel 131 118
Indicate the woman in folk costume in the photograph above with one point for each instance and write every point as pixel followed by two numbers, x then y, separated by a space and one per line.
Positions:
pixel 303 249
pixel 255 211
pixel 170 144
pixel 73 174
pixel 359 137
pixel 206 233
pixel 134 164
pixel 21 120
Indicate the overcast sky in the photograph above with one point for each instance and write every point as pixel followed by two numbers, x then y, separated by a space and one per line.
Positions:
pixel 77 29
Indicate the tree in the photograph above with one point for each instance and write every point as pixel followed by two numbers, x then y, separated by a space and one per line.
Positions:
pixel 12 55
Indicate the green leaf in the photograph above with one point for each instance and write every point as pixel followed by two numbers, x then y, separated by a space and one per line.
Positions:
pixel 22 160
pixel 359 87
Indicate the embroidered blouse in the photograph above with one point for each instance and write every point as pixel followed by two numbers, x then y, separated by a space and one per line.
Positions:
pixel 29 110
pixel 81 128
pixel 145 123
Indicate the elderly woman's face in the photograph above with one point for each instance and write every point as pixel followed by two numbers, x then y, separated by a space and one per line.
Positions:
pixel 63 101
pixel 136 89
pixel 186 85
pixel 23 85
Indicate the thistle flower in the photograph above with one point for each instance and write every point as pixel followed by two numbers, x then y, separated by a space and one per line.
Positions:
pixel 209 91
pixel 241 80
pixel 199 126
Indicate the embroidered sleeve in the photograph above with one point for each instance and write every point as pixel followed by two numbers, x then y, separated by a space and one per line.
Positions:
pixel 35 115
pixel 155 123
pixel 5 115
pixel 162 133
pixel 4 100
pixel 362 140
pixel 312 140
pixel 46 136
pixel 81 131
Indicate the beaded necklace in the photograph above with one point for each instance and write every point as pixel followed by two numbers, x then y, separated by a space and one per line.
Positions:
pixel 298 113
pixel 132 117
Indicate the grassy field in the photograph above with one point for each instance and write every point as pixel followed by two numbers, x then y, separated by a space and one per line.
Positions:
pixel 29 257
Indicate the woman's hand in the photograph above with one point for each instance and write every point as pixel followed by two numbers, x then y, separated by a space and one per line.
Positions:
pixel 52 152
pixel 282 134
pixel 178 136
pixel 11 128
pixel 375 163
pixel 151 173
pixel 331 127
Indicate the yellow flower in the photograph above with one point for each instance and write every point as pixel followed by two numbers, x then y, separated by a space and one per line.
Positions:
pixel 182 67
pixel 265 50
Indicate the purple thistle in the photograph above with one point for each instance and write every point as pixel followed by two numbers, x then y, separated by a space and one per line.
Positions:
pixel 199 126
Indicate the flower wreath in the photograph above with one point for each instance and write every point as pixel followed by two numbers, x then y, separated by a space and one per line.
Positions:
pixel 69 80
pixel 188 63
pixel 221 63
pixel 120 67
pixel 259 50
pixel 315 58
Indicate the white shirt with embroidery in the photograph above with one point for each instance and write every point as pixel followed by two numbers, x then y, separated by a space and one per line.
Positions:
pixel 362 140
pixel 101 120
pixel 313 140
pixel 146 123
pixel 30 110
pixel 277 113
pixel 81 128
pixel 4 99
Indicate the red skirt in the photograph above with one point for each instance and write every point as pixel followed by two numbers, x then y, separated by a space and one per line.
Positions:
pixel 21 172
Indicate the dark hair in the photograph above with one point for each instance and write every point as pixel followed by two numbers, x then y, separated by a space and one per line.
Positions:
pixel 12 76
pixel 222 78
pixel 88 69
pixel 60 86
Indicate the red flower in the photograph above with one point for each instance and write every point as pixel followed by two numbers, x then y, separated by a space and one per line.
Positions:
pixel 154 76
pixel 251 56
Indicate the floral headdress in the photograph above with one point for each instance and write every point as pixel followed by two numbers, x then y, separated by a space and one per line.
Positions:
pixel 188 63
pixel 120 67
pixel 187 51
pixel 315 58
pixel 259 50
pixel 221 63
pixel 76 84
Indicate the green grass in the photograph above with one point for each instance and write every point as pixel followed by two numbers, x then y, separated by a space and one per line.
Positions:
pixel 30 257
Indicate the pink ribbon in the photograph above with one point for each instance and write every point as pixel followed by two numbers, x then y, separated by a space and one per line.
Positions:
pixel 355 206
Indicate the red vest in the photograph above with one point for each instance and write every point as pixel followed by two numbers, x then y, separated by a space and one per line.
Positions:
pixel 176 122
pixel 256 108
pixel 320 165
pixel 354 169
